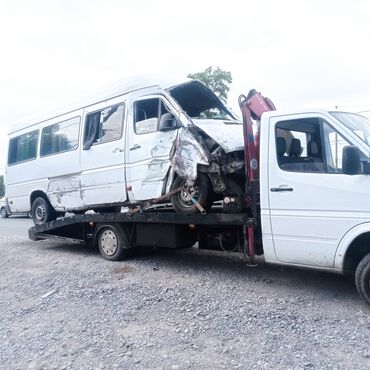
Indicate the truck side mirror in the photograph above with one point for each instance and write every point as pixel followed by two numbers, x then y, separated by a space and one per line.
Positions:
pixel 167 122
pixel 351 163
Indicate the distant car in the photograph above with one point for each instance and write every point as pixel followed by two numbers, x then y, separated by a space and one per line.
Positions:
pixel 5 211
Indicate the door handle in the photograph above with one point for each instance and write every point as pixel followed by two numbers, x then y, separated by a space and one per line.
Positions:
pixel 116 150
pixel 281 189
pixel 136 146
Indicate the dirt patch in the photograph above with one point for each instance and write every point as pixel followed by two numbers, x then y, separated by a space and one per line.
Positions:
pixel 122 270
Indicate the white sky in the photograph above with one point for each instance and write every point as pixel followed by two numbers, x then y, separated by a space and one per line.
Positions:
pixel 299 53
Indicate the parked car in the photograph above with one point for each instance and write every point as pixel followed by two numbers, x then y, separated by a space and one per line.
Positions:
pixel 5 210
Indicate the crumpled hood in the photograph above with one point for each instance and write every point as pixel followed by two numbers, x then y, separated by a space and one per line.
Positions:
pixel 228 134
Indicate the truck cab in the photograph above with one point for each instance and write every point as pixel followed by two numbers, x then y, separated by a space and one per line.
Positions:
pixel 314 210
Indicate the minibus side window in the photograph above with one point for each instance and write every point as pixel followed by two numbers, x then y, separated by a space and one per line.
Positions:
pixel 60 137
pixel 23 148
pixel 147 114
pixel 103 125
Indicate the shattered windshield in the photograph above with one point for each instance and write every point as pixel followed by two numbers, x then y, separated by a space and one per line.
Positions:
pixel 198 101
pixel 213 113
pixel 359 125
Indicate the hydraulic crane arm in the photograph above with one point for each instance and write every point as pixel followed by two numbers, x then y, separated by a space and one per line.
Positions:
pixel 252 106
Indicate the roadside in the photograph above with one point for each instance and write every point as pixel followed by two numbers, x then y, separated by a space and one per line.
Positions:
pixel 63 306
pixel 15 226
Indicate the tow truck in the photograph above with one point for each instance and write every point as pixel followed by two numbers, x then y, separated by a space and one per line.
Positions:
pixel 305 202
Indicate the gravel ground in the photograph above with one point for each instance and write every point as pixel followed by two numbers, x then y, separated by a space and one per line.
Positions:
pixel 63 306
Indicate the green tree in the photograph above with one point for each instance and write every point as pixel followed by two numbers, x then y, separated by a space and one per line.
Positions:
pixel 2 186
pixel 217 80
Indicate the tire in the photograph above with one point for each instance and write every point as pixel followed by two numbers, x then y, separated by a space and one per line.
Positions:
pixel 42 211
pixel 362 278
pixel 112 242
pixel 4 213
pixel 200 191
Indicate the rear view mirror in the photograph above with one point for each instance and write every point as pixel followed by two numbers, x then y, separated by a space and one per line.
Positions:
pixel 351 163
pixel 167 122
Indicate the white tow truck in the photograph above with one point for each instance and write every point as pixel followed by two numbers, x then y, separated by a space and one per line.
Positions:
pixel 305 203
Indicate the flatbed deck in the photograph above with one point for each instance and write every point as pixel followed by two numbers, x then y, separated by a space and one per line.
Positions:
pixel 79 227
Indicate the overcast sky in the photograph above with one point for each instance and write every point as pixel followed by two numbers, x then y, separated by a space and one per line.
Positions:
pixel 299 53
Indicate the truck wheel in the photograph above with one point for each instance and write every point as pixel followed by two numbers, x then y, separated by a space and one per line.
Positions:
pixel 42 211
pixel 4 213
pixel 362 278
pixel 182 202
pixel 112 242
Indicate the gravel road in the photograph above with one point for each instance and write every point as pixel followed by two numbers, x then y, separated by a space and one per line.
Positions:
pixel 63 306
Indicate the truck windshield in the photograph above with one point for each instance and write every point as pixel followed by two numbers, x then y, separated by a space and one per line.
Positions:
pixel 360 125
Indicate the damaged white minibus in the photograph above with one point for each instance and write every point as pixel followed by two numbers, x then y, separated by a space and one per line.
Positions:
pixel 127 144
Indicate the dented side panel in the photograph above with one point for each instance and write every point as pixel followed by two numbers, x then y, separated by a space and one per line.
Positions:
pixel 187 153
pixel 147 156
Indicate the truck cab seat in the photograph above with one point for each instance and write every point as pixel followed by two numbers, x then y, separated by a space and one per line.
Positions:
pixel 295 149
pixel 280 149
pixel 294 160
pixel 316 163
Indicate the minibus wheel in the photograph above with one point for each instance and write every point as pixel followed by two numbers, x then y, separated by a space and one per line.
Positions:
pixel 42 211
pixel 112 242
pixel 200 191
pixel 4 213
pixel 362 278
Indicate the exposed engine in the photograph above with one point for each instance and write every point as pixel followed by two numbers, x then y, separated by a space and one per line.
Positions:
pixel 225 170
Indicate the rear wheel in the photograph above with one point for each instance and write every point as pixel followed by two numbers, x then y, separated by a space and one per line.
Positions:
pixel 42 211
pixel 4 213
pixel 182 201
pixel 112 242
pixel 362 278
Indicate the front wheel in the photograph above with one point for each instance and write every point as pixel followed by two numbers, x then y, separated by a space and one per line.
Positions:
pixel 362 278
pixel 42 211
pixel 182 201
pixel 4 213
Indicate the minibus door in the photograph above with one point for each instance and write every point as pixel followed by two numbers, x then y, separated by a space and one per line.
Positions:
pixel 103 156
pixel 148 148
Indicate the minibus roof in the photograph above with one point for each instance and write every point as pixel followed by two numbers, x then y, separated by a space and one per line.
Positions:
pixel 111 91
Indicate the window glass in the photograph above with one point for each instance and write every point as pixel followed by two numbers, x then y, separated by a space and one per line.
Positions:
pixel 358 124
pixel 334 144
pixel 104 125
pixel 23 148
pixel 298 145
pixel 309 145
pixel 147 114
pixel 60 137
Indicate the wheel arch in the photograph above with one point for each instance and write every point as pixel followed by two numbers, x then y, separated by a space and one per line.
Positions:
pixel 125 229
pixel 354 245
pixel 37 193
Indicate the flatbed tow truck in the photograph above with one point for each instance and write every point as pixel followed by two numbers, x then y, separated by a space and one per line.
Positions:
pixel 304 204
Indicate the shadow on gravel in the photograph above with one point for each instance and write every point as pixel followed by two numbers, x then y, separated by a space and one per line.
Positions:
pixel 226 266
pixel 69 248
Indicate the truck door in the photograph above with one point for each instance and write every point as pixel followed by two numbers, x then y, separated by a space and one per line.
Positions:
pixel 148 149
pixel 103 155
pixel 312 203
